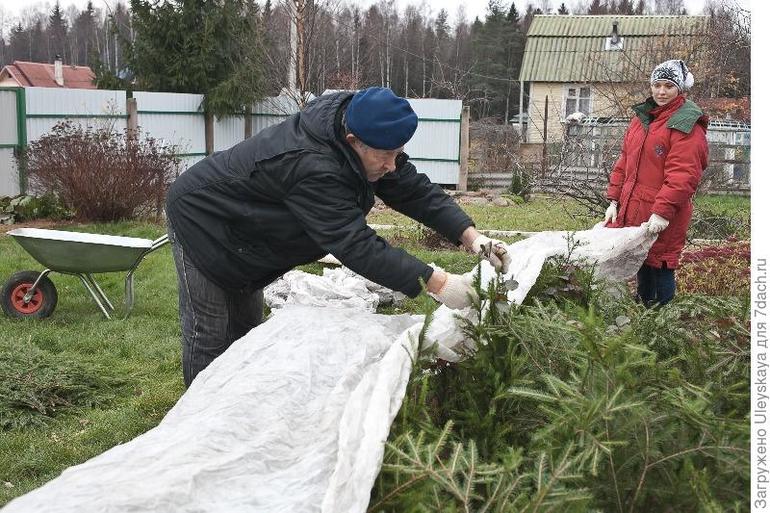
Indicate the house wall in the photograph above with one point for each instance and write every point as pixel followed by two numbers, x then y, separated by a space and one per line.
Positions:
pixel 606 100
pixel 6 80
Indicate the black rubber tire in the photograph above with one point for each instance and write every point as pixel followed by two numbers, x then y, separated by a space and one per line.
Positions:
pixel 42 304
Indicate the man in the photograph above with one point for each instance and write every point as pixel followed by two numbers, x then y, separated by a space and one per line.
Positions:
pixel 296 191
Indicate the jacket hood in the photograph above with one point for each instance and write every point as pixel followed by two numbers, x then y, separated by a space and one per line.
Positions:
pixel 322 118
pixel 322 115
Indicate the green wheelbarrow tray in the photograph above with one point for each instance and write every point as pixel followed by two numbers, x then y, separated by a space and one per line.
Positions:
pixel 77 254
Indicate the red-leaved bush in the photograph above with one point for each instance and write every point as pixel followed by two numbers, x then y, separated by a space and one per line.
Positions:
pixel 716 270
pixel 100 174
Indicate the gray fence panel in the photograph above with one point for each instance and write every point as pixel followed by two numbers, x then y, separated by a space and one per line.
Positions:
pixel 228 132
pixel 174 118
pixel 271 111
pixel 9 175
pixel 87 107
pixel 9 139
pixel 435 146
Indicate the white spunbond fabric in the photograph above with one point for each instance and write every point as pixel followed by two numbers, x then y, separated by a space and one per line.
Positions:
pixel 618 253
pixel 293 417
pixel 339 288
pixel 335 288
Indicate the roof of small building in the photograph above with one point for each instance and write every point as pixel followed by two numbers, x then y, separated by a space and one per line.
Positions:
pixel 568 48
pixel 40 74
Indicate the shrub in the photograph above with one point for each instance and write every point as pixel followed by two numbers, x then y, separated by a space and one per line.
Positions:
pixel 476 182
pixel 99 174
pixel 522 183
pixel 25 208
pixel 715 270
pixel 599 406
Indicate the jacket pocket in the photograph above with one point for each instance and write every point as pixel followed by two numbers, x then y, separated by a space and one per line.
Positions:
pixel 640 204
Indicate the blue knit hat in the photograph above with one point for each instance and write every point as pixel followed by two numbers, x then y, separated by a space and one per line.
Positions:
pixel 381 119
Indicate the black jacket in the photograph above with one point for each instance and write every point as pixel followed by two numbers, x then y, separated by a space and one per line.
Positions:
pixel 295 192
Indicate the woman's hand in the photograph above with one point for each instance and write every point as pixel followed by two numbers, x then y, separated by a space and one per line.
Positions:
pixel 611 214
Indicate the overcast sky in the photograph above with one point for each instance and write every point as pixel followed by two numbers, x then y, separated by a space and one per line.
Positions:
pixel 473 8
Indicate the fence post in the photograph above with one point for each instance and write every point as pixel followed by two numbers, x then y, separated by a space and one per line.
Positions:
pixel 544 162
pixel 133 118
pixel 247 123
pixel 209 121
pixel 21 137
pixel 465 148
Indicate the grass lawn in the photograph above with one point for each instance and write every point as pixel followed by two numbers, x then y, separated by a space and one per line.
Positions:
pixel 131 367
pixel 540 213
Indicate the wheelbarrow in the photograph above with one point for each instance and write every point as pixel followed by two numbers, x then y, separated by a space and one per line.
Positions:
pixel 33 294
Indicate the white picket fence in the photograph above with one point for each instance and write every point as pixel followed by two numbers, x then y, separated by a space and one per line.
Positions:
pixel 178 119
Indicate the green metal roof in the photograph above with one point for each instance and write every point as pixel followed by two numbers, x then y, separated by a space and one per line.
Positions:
pixel 571 48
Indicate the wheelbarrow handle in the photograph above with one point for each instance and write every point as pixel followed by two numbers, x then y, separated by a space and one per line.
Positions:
pixel 159 242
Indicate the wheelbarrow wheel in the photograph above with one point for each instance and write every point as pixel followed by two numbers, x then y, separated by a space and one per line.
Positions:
pixel 42 303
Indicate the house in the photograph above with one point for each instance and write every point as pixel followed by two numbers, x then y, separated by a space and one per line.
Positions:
pixel 39 74
pixel 596 65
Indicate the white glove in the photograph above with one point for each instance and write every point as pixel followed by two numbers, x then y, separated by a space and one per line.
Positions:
pixel 493 251
pixel 457 291
pixel 611 214
pixel 655 224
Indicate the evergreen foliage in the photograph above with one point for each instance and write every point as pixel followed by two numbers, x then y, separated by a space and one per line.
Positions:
pixel 198 46
pixel 579 403
pixel 36 385
pixel 498 45
pixel 57 32
pixel 404 47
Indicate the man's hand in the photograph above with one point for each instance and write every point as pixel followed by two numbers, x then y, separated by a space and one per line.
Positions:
pixel 611 214
pixel 493 251
pixel 456 291
pixel 655 224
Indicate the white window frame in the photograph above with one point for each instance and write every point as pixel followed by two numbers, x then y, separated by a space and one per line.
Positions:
pixel 613 47
pixel 565 97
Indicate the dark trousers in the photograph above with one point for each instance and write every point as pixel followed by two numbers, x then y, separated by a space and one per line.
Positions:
pixel 655 286
pixel 211 318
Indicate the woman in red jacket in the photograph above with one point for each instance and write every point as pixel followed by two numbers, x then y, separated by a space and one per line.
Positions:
pixel 660 166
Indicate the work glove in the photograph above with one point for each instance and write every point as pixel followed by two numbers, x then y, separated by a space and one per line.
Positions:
pixel 655 224
pixel 457 291
pixel 611 214
pixel 493 251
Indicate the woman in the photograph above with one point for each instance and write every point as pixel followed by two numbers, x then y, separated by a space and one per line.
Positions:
pixel 653 182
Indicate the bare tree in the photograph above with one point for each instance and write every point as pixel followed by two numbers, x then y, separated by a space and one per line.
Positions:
pixel 669 7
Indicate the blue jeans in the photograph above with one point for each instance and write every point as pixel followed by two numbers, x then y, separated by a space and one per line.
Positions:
pixel 211 318
pixel 655 286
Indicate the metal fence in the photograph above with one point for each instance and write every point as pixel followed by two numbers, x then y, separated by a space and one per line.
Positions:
pixel 589 151
pixel 174 118
pixel 11 139
pixel 591 148
pixel 177 119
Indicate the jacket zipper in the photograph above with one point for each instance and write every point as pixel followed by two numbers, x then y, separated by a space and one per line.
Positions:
pixel 638 159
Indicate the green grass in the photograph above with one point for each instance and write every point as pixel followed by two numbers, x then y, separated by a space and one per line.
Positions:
pixel 138 360
pixel 140 354
pixel 540 213
pixel 732 206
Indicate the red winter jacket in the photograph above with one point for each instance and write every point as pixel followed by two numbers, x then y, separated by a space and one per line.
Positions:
pixel 663 157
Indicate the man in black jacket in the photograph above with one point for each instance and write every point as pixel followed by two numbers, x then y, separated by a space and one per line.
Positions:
pixel 294 192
